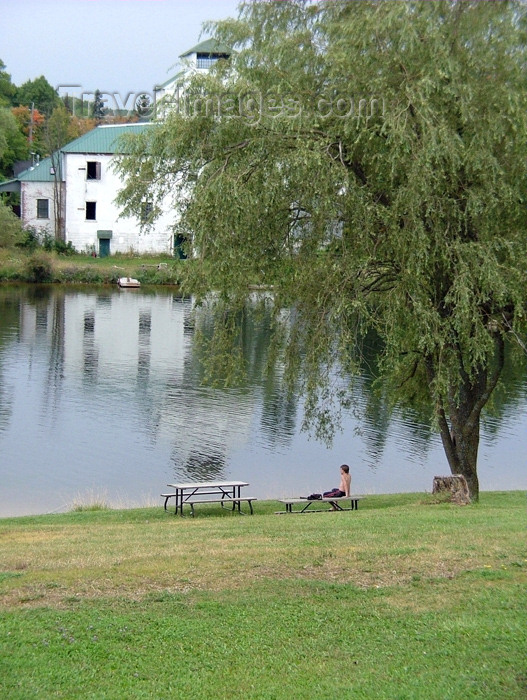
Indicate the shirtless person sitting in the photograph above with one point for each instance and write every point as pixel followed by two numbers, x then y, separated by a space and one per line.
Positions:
pixel 345 485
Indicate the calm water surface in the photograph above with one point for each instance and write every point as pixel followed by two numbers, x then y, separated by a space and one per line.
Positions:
pixel 101 399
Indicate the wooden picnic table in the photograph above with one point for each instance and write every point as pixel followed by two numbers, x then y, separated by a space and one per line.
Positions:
pixel 224 492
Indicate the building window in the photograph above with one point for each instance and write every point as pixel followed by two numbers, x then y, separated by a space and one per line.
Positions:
pixel 42 208
pixel 206 60
pixel 146 212
pixel 93 170
pixel 91 210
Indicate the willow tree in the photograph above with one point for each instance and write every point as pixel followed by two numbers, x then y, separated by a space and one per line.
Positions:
pixel 368 160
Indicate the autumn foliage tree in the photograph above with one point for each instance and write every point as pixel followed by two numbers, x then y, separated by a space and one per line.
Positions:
pixel 31 122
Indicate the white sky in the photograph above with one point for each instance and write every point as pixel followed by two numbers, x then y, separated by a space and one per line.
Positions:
pixel 116 46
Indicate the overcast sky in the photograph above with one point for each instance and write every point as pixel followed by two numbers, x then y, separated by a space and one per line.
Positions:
pixel 116 46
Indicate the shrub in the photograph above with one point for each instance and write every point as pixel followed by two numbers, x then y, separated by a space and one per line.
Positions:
pixel 10 227
pixel 29 239
pixel 63 248
pixel 39 267
pixel 50 244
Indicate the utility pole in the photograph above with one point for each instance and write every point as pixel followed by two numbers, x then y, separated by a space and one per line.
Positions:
pixel 31 124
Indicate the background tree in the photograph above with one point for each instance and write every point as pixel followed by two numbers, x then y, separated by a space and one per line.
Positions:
pixel 10 227
pixel 40 94
pixel 57 133
pixel 79 126
pixel 13 144
pixel 31 124
pixel 368 160
pixel 99 111
pixel 7 88
pixel 143 107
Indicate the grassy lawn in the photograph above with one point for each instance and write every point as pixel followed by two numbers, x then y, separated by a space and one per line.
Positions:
pixel 402 599
pixel 19 266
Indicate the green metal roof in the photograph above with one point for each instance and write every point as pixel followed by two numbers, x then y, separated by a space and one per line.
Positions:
pixel 10 186
pixel 41 172
pixel 103 139
pixel 38 173
pixel 208 46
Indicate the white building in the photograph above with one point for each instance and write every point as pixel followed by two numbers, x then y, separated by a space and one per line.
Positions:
pixel 198 59
pixel 75 189
pixel 79 185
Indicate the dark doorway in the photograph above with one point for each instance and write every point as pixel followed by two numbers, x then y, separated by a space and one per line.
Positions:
pixel 104 247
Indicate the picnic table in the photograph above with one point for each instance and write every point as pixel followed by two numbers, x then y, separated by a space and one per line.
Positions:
pixel 228 493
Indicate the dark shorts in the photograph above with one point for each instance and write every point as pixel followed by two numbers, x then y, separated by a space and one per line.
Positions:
pixel 336 493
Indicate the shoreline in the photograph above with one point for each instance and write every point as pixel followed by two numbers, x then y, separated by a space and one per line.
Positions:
pixel 261 506
pixel 21 266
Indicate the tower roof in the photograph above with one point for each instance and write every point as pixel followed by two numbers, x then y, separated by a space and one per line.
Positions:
pixel 209 46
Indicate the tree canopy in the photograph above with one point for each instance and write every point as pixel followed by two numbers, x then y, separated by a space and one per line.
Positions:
pixel 39 93
pixel 13 143
pixel 367 159
pixel 7 88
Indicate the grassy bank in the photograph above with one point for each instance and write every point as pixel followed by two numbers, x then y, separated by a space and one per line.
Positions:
pixel 18 265
pixel 402 599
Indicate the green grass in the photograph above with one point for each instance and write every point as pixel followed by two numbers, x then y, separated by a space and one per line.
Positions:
pixel 402 599
pixel 17 265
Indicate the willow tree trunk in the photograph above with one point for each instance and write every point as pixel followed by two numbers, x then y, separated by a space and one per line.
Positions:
pixel 464 404
pixel 462 445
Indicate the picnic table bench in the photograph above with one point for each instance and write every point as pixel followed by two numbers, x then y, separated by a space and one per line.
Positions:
pixel 224 492
pixel 307 503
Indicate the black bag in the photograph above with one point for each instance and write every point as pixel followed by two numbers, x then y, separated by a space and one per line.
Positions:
pixel 315 497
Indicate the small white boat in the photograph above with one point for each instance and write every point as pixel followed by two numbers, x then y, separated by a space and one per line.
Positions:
pixel 128 282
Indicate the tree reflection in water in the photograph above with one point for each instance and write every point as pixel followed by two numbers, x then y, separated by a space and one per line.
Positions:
pixel 109 390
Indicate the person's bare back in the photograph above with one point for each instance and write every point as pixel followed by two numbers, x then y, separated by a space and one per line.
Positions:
pixel 345 479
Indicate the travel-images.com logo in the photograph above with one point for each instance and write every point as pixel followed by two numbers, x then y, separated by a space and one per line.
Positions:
pixel 250 106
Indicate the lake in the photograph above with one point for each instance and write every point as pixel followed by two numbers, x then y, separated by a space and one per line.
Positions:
pixel 102 399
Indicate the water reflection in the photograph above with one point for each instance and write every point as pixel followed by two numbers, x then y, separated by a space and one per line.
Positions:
pixel 101 393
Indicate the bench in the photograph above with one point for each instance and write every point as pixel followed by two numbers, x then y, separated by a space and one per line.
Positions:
pixel 290 502
pixel 167 497
pixel 224 501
